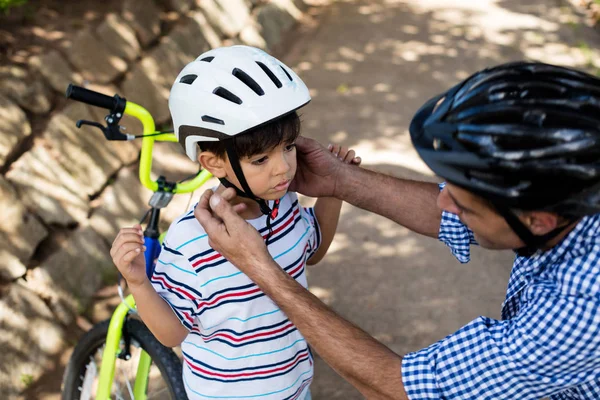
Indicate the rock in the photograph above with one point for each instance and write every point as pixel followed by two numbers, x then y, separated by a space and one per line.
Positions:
pixel 194 35
pixel 11 267
pixel 119 37
pixel 20 231
pixel 301 5
pixel 56 70
pixel 85 153
pixel 227 16
pixel 14 128
pixel 144 18
pixel 67 165
pixel 46 188
pixel 19 85
pixel 138 84
pixel 68 279
pixel 165 62
pixel 152 78
pixel 181 6
pixel 30 337
pixel 251 36
pixel 276 18
pixel 120 205
pixel 93 58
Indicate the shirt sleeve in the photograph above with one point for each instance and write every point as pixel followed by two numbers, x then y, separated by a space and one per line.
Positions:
pixel 553 344
pixel 176 282
pixel 314 241
pixel 456 235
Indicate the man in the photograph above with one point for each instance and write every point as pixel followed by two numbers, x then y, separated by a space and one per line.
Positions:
pixel 519 147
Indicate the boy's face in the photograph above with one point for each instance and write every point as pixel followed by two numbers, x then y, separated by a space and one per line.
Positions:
pixel 268 174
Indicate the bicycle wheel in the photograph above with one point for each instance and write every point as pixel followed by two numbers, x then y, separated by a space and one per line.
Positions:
pixel 81 375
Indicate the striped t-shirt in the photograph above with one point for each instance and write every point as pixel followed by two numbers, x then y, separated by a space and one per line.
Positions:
pixel 240 345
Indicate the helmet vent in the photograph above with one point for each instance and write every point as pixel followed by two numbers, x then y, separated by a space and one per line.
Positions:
pixel 227 95
pixel 287 73
pixel 188 79
pixel 251 83
pixel 270 74
pixel 207 59
pixel 213 120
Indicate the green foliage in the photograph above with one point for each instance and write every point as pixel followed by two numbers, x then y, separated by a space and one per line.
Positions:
pixel 6 5
pixel 26 379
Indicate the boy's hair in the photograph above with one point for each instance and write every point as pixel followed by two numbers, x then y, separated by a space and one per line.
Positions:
pixel 259 140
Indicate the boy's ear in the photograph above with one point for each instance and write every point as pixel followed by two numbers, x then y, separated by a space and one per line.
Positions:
pixel 214 164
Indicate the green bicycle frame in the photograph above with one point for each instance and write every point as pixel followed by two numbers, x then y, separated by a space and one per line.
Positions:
pixel 113 338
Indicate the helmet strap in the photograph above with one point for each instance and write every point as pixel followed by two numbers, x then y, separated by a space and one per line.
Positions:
pixel 247 192
pixel 532 242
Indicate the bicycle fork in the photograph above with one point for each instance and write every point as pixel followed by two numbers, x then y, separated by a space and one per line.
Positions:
pixel 112 351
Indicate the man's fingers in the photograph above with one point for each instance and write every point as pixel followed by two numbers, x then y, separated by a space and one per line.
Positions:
pixel 229 194
pixel 204 213
pixel 305 145
pixel 240 208
pixel 223 210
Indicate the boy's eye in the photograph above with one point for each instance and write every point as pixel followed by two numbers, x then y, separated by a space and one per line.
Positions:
pixel 260 161
pixel 290 147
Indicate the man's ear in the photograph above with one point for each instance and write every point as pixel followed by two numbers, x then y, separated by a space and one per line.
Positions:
pixel 540 222
pixel 213 163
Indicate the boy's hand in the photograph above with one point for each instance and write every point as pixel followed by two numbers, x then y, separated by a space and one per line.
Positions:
pixel 127 253
pixel 345 154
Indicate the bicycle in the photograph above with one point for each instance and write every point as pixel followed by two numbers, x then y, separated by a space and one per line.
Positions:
pixel 124 339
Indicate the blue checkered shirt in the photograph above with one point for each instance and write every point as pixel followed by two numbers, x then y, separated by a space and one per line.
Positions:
pixel 548 341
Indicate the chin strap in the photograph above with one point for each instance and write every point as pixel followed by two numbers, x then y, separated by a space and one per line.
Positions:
pixel 271 213
pixel 532 242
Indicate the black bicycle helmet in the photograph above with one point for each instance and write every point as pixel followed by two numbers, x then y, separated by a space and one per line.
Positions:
pixel 523 135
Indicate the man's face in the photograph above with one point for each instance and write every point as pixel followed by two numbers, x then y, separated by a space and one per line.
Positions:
pixel 490 228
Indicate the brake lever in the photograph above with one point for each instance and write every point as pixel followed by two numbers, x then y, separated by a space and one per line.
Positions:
pixel 110 132
pixel 91 123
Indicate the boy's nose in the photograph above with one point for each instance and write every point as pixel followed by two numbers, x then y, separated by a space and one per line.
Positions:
pixel 282 166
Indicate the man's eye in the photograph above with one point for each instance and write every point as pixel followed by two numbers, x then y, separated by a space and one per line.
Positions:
pixel 260 161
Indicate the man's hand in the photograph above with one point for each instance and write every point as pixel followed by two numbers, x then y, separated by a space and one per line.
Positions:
pixel 229 234
pixel 318 170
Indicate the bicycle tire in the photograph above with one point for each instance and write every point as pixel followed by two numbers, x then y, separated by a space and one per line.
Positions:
pixel 93 341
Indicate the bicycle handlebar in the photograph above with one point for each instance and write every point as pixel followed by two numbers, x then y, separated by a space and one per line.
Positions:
pixel 119 105
pixel 115 104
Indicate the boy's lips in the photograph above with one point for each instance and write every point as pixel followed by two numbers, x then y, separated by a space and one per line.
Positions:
pixel 283 185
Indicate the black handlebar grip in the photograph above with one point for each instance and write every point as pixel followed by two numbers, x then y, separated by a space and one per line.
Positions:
pixel 114 104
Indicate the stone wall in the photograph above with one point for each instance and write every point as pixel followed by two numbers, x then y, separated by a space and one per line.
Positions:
pixel 64 192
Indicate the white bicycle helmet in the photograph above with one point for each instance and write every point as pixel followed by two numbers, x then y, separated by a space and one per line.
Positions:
pixel 230 90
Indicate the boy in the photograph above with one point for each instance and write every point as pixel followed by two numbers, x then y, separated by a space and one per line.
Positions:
pixel 238 106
